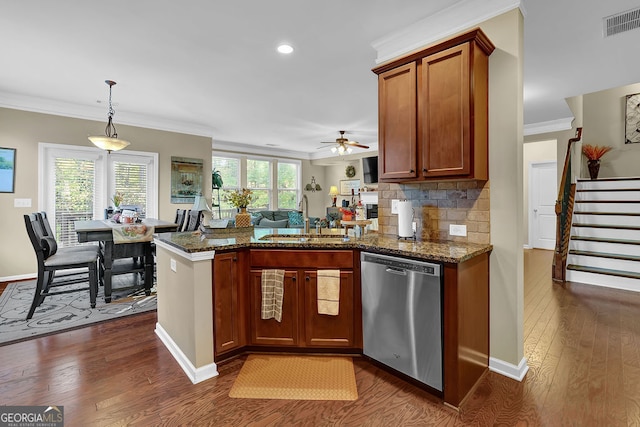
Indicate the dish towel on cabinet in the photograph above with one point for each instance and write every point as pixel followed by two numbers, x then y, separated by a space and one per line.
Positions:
pixel 328 292
pixel 272 293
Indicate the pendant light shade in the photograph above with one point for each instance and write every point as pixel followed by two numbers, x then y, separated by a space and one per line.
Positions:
pixel 109 141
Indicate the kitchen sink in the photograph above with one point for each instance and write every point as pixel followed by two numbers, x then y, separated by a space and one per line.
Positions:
pixel 306 238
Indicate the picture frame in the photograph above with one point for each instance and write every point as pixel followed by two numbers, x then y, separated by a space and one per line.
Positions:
pixel 186 179
pixel 346 185
pixel 7 170
pixel 632 119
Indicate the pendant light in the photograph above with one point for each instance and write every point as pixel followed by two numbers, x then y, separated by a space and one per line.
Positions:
pixel 109 141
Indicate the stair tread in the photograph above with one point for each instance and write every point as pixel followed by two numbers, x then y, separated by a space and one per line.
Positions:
pixel 607 226
pixel 607 201
pixel 607 271
pixel 605 255
pixel 606 213
pixel 592 190
pixel 599 239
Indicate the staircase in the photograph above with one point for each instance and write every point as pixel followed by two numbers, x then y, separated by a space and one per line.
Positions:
pixel 604 248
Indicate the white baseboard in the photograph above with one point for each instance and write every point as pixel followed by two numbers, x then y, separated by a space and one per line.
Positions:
pixel 196 375
pixel 527 246
pixel 18 277
pixel 509 370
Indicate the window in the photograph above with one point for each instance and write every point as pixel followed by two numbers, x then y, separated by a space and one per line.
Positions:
pixel 77 183
pixel 275 182
pixel 288 178
pixel 229 168
pixel 259 181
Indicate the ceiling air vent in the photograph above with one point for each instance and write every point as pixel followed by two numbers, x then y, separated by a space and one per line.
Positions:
pixel 621 22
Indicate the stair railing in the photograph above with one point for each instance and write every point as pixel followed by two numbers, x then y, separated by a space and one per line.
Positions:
pixel 564 214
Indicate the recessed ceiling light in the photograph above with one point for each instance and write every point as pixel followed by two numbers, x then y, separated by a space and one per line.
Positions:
pixel 285 48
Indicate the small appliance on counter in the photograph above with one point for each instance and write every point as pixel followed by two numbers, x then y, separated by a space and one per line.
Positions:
pixel 405 220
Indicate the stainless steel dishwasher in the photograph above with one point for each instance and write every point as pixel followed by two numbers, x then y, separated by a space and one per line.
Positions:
pixel 401 315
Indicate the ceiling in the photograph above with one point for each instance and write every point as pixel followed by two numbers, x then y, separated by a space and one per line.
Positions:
pixel 210 67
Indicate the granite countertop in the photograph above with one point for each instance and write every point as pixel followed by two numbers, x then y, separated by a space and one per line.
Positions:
pixel 287 238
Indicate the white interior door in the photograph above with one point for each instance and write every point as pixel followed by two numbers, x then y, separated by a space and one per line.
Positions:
pixel 543 191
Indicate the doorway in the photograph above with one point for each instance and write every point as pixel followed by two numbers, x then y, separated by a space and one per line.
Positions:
pixel 542 198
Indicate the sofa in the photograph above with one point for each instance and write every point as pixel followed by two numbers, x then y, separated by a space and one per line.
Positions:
pixel 281 218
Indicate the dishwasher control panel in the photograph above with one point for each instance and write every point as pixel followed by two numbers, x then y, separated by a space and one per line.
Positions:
pixel 399 263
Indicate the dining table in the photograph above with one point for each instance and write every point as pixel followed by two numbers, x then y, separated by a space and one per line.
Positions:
pixel 103 231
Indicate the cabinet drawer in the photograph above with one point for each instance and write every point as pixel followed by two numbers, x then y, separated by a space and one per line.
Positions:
pixel 301 259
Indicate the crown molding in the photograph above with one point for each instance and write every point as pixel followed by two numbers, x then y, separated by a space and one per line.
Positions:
pixel 452 20
pixel 549 126
pixel 99 113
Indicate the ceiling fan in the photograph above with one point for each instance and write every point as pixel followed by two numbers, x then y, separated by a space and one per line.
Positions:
pixel 343 145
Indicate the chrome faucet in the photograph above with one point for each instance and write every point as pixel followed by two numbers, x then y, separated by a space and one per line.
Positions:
pixel 305 212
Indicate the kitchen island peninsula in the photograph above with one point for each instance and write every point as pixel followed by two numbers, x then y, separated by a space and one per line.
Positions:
pixel 208 287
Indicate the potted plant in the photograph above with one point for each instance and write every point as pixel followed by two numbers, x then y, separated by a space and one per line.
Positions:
pixel 216 179
pixel 117 199
pixel 594 153
pixel 240 200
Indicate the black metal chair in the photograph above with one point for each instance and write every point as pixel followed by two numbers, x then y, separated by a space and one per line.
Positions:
pixel 51 260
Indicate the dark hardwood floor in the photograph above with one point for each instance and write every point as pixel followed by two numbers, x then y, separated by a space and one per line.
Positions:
pixel 582 344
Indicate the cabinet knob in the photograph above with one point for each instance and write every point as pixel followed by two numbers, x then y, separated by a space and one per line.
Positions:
pixel 424 170
pixel 307 278
pixel 411 171
pixel 293 278
pixel 235 259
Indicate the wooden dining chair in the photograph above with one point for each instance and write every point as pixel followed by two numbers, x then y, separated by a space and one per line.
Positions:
pixel 52 260
pixel 48 232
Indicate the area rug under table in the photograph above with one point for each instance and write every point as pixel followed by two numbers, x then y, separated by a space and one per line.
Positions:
pixel 63 312
pixel 296 377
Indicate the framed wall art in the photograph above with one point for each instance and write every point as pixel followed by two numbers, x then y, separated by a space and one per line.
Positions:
pixel 632 119
pixel 346 185
pixel 7 170
pixel 186 179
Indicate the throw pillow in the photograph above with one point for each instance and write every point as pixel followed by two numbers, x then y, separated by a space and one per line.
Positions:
pixel 280 215
pixel 296 218
pixel 267 223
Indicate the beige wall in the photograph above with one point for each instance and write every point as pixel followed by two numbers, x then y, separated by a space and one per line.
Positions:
pixel 604 124
pixel 24 130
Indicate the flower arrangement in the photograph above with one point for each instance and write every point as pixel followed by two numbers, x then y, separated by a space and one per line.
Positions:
pixel 595 152
pixel 239 199
pixel 117 199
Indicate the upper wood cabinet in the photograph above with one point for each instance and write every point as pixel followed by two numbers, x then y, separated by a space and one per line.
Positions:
pixel 433 112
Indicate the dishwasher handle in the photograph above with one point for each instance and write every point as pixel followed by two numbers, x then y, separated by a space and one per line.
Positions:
pixel 399 272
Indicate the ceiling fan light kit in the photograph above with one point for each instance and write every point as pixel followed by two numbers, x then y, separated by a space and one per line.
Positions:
pixel 109 141
pixel 343 145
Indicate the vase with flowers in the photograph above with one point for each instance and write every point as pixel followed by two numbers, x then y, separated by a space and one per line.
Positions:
pixel 594 153
pixel 240 200
pixel 117 200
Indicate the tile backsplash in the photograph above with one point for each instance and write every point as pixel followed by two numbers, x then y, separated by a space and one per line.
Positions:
pixel 436 205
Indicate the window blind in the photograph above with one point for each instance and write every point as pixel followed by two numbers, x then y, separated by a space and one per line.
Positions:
pixel 74 196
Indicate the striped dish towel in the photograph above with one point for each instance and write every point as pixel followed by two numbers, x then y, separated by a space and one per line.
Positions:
pixel 272 293
pixel 328 292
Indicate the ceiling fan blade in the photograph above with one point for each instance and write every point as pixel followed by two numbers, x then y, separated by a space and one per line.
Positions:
pixel 327 142
pixel 355 144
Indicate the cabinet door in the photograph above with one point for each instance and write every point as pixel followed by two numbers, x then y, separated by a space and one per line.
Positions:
pixel 322 330
pixel 228 313
pixel 397 123
pixel 270 331
pixel 444 113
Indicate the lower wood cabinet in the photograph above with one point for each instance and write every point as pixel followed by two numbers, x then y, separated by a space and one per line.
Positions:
pixel 270 331
pixel 302 325
pixel 321 330
pixel 229 301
